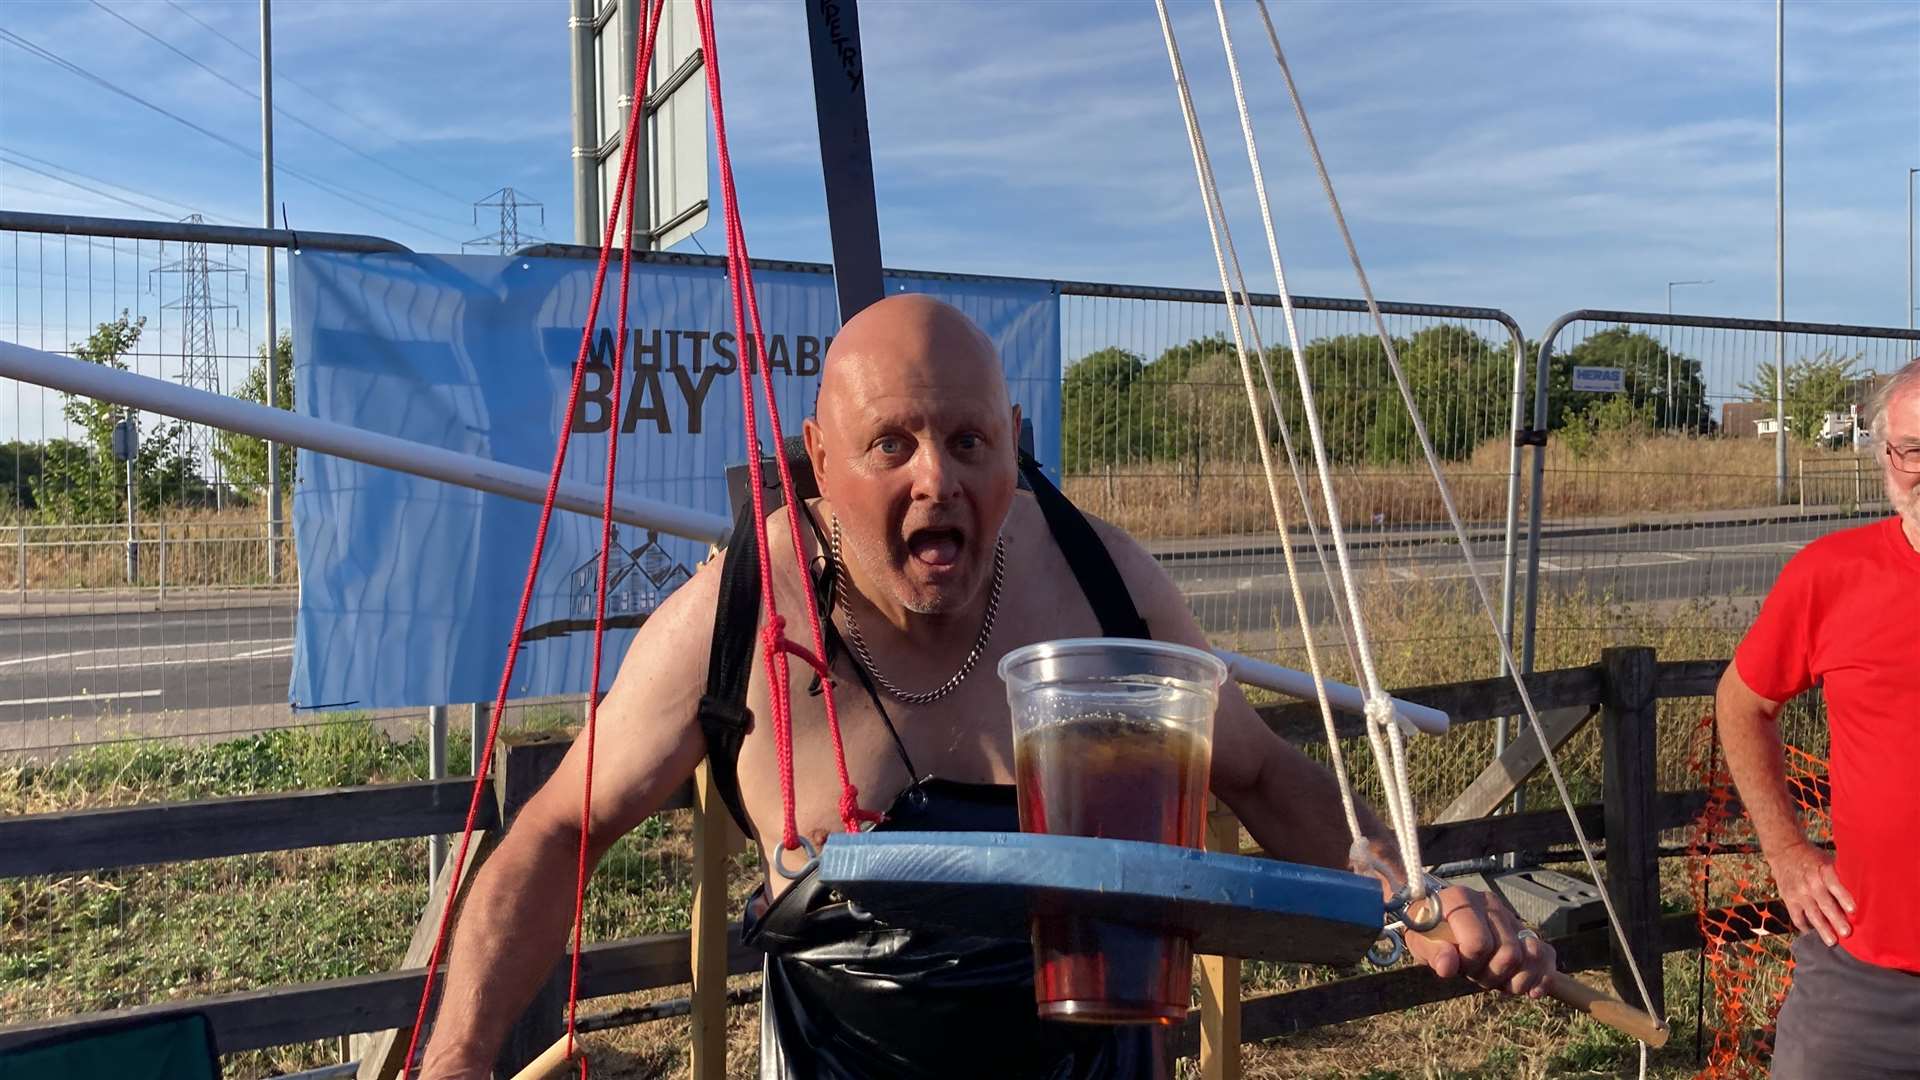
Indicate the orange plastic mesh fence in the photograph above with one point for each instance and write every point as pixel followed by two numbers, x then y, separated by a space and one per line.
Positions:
pixel 1746 967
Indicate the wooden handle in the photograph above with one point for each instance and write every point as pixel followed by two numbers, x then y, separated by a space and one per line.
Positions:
pixel 1598 1004
pixel 549 1063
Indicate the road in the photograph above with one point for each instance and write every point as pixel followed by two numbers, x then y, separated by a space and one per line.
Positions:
pixel 68 663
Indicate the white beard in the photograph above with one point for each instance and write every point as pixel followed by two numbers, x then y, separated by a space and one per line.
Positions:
pixel 1906 504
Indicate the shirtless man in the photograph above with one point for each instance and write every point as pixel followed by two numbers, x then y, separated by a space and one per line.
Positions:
pixel 913 447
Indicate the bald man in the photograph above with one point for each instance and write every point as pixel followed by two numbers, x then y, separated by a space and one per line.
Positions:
pixel 941 568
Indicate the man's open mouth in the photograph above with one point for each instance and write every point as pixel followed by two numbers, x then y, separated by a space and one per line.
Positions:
pixel 937 547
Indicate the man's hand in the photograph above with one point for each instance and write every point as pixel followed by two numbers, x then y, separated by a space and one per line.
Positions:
pixel 1488 945
pixel 1812 891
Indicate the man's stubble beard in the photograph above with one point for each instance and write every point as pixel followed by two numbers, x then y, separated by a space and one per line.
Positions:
pixel 876 558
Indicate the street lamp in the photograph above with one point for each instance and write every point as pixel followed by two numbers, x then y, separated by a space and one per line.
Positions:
pixel 1910 173
pixel 1669 400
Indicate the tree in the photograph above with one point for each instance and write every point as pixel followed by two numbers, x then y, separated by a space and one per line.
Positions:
pixel 243 458
pixel 1816 387
pixel 1649 367
pixel 80 480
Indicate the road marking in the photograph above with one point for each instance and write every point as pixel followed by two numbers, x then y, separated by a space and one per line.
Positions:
pixel 283 647
pixel 80 697
pixel 42 658
pixel 182 661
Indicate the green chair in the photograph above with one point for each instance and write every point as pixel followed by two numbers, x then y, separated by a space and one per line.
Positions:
pixel 178 1046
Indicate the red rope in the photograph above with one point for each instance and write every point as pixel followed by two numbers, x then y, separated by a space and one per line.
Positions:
pixel 485 766
pixel 776 647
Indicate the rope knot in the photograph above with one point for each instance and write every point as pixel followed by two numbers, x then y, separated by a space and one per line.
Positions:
pixel 1381 710
pixel 850 813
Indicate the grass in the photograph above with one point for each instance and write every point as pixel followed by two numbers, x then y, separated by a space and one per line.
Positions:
pixel 113 939
pixel 1611 476
pixel 202 549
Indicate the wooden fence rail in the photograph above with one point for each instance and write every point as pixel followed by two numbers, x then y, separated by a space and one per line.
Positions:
pixel 1622 689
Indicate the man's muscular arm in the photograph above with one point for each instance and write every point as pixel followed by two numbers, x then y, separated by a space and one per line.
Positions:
pixel 514 923
pixel 1291 804
pixel 1750 732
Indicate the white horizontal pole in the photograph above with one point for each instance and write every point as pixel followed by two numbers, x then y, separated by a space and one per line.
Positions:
pixel 342 440
pixel 464 470
pixel 1300 684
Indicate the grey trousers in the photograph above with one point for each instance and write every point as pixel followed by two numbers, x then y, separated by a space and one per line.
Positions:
pixel 1846 1019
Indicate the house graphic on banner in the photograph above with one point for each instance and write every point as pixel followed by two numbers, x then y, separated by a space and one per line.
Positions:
pixel 637 580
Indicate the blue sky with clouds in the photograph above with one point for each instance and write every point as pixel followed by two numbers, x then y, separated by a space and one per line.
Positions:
pixel 1532 156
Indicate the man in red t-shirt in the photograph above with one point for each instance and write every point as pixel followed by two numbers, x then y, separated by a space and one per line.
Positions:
pixel 1842 617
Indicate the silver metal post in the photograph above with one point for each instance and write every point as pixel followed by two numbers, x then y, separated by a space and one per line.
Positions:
pixel 477 722
pixel 1910 173
pixel 586 133
pixel 273 332
pixel 1669 336
pixel 436 770
pixel 1780 248
pixel 133 551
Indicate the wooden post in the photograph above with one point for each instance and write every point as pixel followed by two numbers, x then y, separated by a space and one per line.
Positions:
pixel 1220 977
pixel 715 839
pixel 523 764
pixel 1628 758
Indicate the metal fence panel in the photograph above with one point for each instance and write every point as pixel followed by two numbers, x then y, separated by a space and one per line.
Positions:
pixel 1157 437
pixel 1656 504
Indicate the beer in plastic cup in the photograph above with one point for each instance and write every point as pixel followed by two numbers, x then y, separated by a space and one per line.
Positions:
pixel 1112 738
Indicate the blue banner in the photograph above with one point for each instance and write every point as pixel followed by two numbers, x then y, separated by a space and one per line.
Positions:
pixel 408 587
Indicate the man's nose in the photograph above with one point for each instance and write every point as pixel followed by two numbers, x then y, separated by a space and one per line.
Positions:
pixel 934 474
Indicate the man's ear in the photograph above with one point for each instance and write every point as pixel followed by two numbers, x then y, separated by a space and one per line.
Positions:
pixel 816 453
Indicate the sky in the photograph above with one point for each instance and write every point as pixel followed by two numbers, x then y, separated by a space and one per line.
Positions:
pixel 1536 157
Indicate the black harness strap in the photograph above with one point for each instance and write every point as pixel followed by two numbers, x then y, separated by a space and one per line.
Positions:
pixel 1087 556
pixel 724 717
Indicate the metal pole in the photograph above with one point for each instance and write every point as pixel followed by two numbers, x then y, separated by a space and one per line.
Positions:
pixel 1780 248
pixel 477 735
pixel 133 552
pixel 1910 173
pixel 846 152
pixel 436 770
pixel 1669 404
pixel 586 142
pixel 273 331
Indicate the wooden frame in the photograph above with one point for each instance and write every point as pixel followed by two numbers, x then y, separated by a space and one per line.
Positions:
pixel 1622 688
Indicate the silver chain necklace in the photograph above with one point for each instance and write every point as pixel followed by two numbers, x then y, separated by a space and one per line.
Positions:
pixel 866 658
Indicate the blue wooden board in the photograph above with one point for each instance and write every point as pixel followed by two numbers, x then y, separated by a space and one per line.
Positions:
pixel 988 884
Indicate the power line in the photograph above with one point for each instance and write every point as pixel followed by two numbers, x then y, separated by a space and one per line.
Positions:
pixel 331 189
pixel 182 207
pixel 84 187
pixel 255 95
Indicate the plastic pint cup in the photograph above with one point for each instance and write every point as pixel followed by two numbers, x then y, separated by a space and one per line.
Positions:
pixel 1112 738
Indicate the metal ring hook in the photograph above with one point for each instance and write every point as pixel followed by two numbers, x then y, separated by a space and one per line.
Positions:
pixel 1395 947
pixel 780 855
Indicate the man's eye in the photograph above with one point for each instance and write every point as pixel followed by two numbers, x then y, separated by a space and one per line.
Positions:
pixel 888 446
pixel 968 442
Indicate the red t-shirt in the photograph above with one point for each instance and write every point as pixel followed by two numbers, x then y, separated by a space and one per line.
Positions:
pixel 1843 615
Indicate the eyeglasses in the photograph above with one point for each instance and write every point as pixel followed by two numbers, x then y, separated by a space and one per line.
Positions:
pixel 1905 458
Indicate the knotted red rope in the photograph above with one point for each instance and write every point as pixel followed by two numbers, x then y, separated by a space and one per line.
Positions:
pixel 776 647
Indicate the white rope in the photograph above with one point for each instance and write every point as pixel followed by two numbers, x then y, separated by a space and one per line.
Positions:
pixel 1439 475
pixel 1385 736
pixel 1398 806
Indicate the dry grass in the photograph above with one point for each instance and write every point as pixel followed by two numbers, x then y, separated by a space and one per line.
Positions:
pixel 1612 477
pixel 181 548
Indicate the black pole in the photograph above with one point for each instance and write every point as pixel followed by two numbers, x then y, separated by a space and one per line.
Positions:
pixel 846 152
